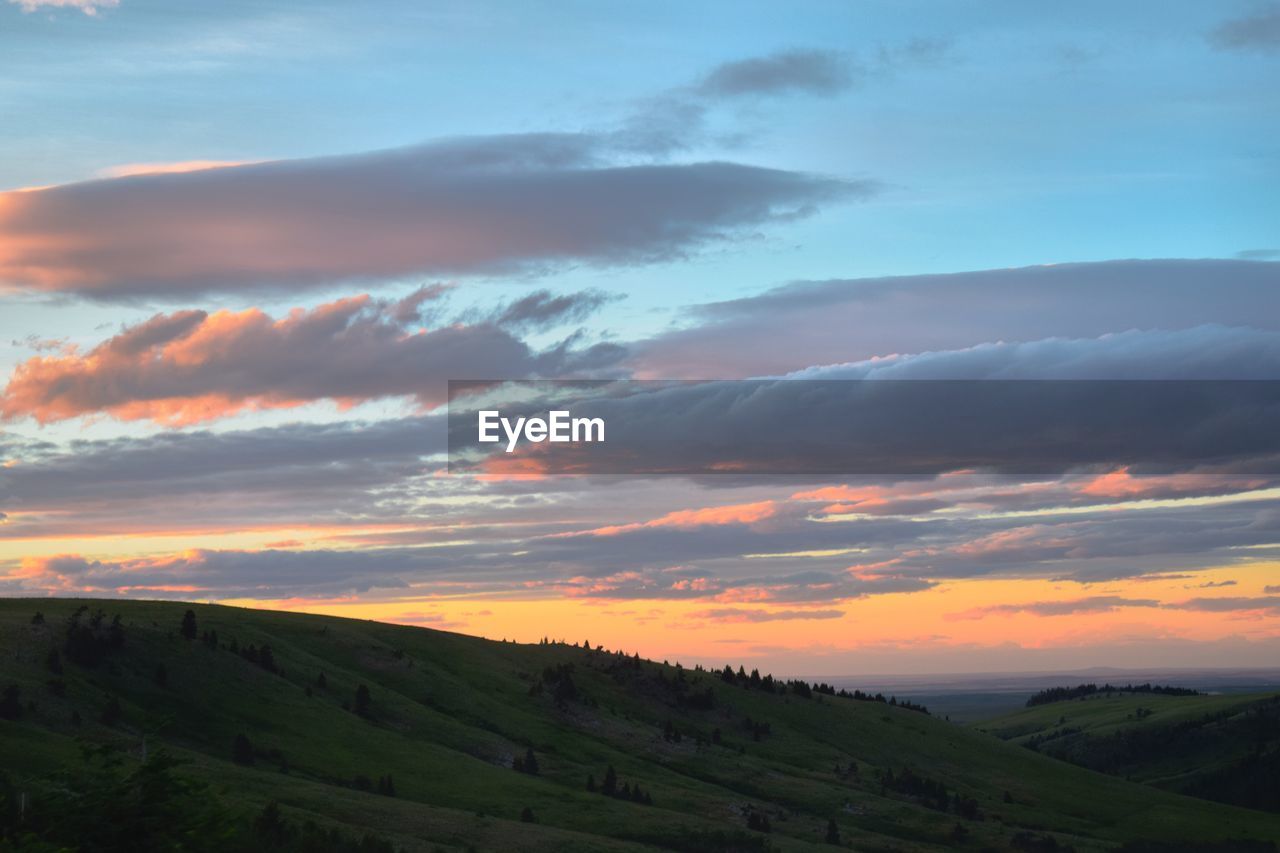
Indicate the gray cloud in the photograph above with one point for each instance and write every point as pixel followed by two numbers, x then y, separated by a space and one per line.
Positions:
pixel 1259 31
pixel 1269 603
pixel 894 428
pixel 799 325
pixel 479 205
pixel 741 614
pixel 1202 352
pixel 1093 604
pixel 543 309
pixel 815 72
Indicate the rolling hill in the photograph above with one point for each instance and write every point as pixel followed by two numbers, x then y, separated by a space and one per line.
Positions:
pixel 266 729
pixel 1220 747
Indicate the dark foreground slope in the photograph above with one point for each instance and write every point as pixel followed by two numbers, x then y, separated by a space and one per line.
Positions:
pixel 1224 748
pixel 411 734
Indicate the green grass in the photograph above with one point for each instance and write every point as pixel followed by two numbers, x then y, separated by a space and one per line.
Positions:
pixel 450 712
pixel 1223 747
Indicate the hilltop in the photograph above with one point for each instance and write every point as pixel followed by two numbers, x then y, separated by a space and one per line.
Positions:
pixel 407 738
pixel 1220 747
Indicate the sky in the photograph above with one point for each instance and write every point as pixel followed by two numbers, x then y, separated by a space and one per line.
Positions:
pixel 244 246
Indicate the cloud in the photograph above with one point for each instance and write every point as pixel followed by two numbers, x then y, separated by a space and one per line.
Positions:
pixel 1093 604
pixel 1258 254
pixel 192 366
pixel 210 574
pixel 799 325
pixel 542 309
pixel 126 170
pixel 481 205
pixel 692 518
pixel 899 428
pixel 815 72
pixel 1272 590
pixel 1259 31
pixel 89 7
pixel 1269 604
pixel 738 614
pixel 678 583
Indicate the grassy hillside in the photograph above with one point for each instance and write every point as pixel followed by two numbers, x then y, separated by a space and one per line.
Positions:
pixel 1225 748
pixel 445 716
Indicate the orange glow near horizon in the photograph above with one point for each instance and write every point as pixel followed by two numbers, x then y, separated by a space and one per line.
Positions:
pixel 942 623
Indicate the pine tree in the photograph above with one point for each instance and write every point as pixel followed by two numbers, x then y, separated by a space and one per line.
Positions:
pixel 189 625
pixel 363 701
pixel 610 785
pixel 270 827
pixel 591 782
pixel 527 816
pixel 833 832
pixel 242 750
pixel 11 702
pixel 530 762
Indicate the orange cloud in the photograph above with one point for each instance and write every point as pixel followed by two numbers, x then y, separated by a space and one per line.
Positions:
pixel 688 519
pixel 193 366
pixel 1121 484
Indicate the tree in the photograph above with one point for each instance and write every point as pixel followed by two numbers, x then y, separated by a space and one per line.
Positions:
pixel 188 630
pixel 242 750
pixel 161 675
pixel 270 827
pixel 833 832
pixel 527 816
pixel 610 785
pixel 363 701
pixel 591 782
pixel 38 619
pixel 112 713
pixel 321 681
pixel 53 662
pixel 530 762
pixel 11 702
pixel 115 633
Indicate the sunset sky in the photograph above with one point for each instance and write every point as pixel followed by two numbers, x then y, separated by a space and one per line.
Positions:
pixel 244 247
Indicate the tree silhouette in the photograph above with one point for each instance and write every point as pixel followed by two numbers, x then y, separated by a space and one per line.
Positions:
pixel 610 785
pixel 363 701
pixel 242 750
pixel 11 702
pixel 112 713
pixel 188 629
pixel 833 832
